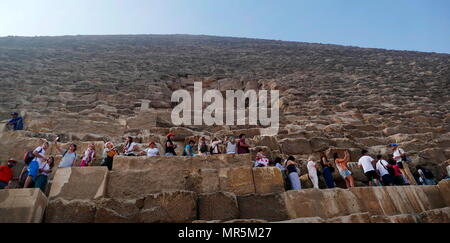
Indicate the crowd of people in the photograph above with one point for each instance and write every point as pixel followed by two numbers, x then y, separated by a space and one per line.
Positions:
pixel 379 172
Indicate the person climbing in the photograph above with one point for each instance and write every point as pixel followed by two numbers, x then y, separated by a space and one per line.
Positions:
pixel 385 171
pixel 130 148
pixel 293 173
pixel 109 151
pixel 343 169
pixel 88 156
pixel 189 149
pixel 16 122
pixel 242 147
pixel 312 172
pixel 366 162
pixel 6 174
pixel 170 146
pixel 68 156
pixel 402 161
pixel 151 151
pixel 33 168
pixel 215 149
pixel 261 159
pixel 45 171
pixel 426 176
pixel 327 171
pixel 231 145
pixel 202 146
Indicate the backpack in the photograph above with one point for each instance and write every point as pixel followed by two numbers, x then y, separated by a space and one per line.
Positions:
pixel 389 169
pixel 427 173
pixel 29 156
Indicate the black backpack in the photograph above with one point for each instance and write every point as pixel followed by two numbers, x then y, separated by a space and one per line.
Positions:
pixel 204 148
pixel 29 156
pixel 427 173
pixel 389 169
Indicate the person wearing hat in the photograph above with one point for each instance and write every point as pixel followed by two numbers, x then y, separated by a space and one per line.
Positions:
pixel 170 146
pixel 6 174
pixel 16 122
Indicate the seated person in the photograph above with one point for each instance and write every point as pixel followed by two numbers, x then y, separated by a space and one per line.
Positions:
pixel 16 122
pixel 261 159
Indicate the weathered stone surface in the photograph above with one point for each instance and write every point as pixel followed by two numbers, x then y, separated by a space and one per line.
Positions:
pixel 74 211
pixel 268 180
pixel 440 215
pixel 118 211
pixel 22 206
pixel 350 219
pixel 169 207
pixel 270 207
pixel 295 146
pixel 237 180
pixel 79 183
pixel 218 206
pixel 444 189
pixel 403 218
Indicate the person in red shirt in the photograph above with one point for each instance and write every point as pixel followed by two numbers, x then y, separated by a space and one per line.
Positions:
pixel 6 174
pixel 242 147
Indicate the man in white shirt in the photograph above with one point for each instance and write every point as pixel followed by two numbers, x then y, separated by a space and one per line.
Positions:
pixel 366 162
pixel 312 173
pixel 382 168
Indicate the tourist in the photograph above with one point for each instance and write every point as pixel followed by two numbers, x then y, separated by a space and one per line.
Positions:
pixel 6 174
pixel 16 122
pixel 343 169
pixel 327 171
pixel 130 148
pixel 189 149
pixel 109 151
pixel 45 171
pixel 278 163
pixel 68 156
pixel 215 149
pixel 400 157
pixel 312 172
pixel 151 151
pixel 242 147
pixel 366 162
pixel 261 159
pixel 398 178
pixel 426 176
pixel 33 168
pixel 202 146
pixel 293 173
pixel 88 156
pixel 170 146
pixel 385 171
pixel 231 145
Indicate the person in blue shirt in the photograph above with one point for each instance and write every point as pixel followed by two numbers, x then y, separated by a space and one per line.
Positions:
pixel 16 122
pixel 189 149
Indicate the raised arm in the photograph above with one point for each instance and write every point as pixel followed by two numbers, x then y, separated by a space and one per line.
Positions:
pixel 346 156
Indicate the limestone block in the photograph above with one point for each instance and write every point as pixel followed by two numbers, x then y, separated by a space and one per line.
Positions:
pixel 79 183
pixel 74 211
pixel 295 146
pixel 117 211
pixel 270 207
pixel 402 218
pixel 351 219
pixel 440 215
pixel 268 180
pixel 218 206
pixel 444 189
pixel 22 205
pixel 169 207
pixel 237 180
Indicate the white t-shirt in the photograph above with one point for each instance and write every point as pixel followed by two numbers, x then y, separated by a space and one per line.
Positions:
pixel 86 156
pixel 311 168
pixel 231 148
pixel 262 162
pixel 45 167
pixel 67 160
pixel 152 152
pixel 397 153
pixel 366 162
pixel 215 146
pixel 381 169
pixel 42 153
pixel 130 148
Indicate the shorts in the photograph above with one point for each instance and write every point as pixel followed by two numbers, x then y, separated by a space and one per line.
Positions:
pixel 33 170
pixel 371 175
pixel 345 173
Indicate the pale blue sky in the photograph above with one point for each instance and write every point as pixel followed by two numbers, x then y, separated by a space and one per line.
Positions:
pixel 422 25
